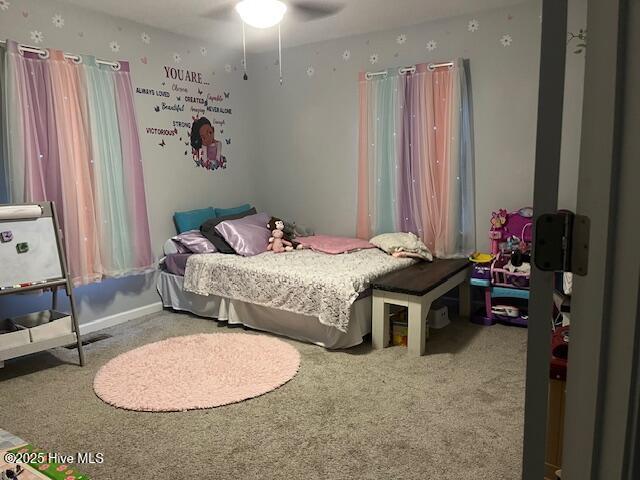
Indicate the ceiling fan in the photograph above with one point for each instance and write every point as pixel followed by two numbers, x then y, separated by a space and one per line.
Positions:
pixel 269 13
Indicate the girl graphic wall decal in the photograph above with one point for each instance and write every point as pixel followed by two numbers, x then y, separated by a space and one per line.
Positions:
pixel 207 151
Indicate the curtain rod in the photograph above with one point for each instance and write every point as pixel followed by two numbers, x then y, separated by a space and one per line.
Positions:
pixel 412 69
pixel 42 53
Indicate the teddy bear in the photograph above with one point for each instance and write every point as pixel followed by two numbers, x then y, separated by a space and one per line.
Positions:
pixel 277 242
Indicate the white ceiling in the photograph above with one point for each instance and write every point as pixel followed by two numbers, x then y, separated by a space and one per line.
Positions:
pixel 186 17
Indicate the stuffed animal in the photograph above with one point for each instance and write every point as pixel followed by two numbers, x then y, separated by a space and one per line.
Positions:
pixel 276 224
pixel 277 242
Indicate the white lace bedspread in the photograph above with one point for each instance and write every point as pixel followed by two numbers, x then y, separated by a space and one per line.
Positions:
pixel 304 282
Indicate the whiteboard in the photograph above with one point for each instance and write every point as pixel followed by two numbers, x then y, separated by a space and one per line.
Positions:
pixel 41 262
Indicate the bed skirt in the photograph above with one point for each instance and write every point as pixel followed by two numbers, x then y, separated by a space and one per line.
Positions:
pixel 300 327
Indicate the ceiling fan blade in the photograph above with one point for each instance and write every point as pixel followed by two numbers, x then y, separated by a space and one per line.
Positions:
pixel 314 10
pixel 223 13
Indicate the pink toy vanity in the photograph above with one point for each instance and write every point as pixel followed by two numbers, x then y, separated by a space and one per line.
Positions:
pixel 505 279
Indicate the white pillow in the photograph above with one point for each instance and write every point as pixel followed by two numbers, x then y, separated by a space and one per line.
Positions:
pixel 169 247
pixel 401 245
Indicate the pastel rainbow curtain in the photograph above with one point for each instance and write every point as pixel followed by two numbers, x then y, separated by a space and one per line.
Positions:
pixel 72 139
pixel 415 167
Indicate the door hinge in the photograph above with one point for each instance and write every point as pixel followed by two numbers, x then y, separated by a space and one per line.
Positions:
pixel 561 242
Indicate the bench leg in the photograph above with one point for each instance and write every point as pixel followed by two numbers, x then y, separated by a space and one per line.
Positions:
pixel 418 310
pixel 464 293
pixel 380 322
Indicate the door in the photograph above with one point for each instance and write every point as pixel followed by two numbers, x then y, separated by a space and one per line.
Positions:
pixel 603 389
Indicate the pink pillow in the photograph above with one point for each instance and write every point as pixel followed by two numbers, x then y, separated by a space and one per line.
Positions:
pixel 247 236
pixel 194 242
pixel 333 245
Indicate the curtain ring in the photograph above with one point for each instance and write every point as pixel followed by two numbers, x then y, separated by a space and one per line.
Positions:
pixel 116 67
pixel 77 60
pixel 44 54
pixel 430 67
pixel 368 76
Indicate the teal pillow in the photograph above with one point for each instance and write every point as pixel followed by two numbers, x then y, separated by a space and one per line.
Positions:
pixel 192 219
pixel 223 212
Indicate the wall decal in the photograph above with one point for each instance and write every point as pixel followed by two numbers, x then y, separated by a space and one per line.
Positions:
pixel 402 38
pixel 114 46
pixel 506 40
pixel 346 55
pixel 206 149
pixel 373 58
pixel 162 144
pixel 473 25
pixel 57 20
pixel 144 36
pixel 156 109
pixel 25 14
pixel 310 71
pixel 509 17
pixel 432 45
pixel 177 58
pixel 581 39
pixel 37 36
pixel 203 51
pixel 227 68
pixel 4 5
pixel 144 60
pixel 81 34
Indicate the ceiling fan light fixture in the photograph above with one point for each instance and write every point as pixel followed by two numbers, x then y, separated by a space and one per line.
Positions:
pixel 261 13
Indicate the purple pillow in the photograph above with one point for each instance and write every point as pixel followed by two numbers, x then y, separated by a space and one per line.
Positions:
pixel 194 242
pixel 247 236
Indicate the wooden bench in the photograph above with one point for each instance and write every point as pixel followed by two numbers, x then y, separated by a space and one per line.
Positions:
pixel 416 287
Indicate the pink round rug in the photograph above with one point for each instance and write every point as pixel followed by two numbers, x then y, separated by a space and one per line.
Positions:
pixel 196 371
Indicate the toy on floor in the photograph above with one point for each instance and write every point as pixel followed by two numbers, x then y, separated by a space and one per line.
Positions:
pixel 505 272
pixel 277 242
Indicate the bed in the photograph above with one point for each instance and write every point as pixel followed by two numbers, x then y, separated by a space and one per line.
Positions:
pixel 310 296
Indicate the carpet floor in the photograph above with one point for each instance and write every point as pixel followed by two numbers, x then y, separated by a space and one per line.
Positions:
pixel 456 413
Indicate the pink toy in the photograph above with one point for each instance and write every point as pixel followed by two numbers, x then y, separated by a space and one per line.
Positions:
pixel 277 243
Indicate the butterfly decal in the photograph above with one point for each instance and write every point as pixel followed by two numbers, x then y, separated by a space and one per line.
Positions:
pixel 221 131
pixel 200 92
pixel 206 103
pixel 228 140
pixel 180 138
pixel 162 144
pixel 186 153
pixel 156 108
pixel 179 99
pixel 226 94
pixel 163 84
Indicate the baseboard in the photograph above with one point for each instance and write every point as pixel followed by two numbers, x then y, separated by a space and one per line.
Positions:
pixel 118 318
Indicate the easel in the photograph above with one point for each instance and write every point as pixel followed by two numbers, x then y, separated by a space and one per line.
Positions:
pixel 61 329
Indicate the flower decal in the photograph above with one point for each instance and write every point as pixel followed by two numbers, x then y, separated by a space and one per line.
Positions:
pixel 242 62
pixel 177 58
pixel 432 45
pixel 506 40
pixel 346 55
pixel 401 39
pixel 203 51
pixel 37 36
pixel 310 71
pixel 473 25
pixel 114 46
pixel 227 68
pixel 144 36
pixel 57 20
pixel 373 58
pixel 4 5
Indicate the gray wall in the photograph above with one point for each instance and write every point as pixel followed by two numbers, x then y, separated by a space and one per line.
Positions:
pixel 172 181
pixel 306 132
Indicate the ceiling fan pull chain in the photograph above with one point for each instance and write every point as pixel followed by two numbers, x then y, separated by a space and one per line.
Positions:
pixel 244 51
pixel 280 53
